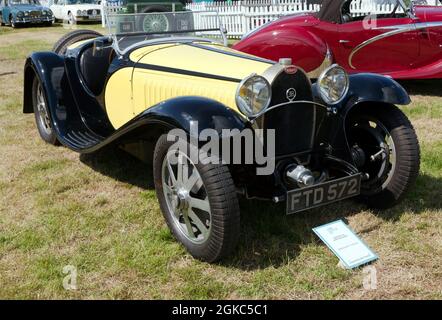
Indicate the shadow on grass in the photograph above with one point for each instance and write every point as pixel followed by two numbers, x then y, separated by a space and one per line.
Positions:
pixel 120 165
pixel 429 87
pixel 268 236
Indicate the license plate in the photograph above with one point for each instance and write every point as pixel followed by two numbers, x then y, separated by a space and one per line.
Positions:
pixel 322 194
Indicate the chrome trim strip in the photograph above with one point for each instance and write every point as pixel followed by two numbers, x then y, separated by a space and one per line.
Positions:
pixel 287 103
pixel 398 29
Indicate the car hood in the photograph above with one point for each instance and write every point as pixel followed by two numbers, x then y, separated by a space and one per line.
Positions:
pixel 201 57
pixel 166 71
pixel 25 7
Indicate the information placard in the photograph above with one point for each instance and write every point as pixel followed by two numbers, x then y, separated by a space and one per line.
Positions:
pixel 345 244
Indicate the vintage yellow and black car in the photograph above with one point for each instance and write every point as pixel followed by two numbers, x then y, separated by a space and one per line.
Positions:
pixel 339 137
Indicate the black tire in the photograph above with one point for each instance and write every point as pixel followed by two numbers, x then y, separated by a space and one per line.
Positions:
pixel 221 194
pixel 402 176
pixel 61 45
pixel 42 119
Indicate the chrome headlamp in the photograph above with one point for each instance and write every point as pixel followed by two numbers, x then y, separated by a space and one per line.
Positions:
pixel 20 14
pixel 333 84
pixel 253 95
pixel 78 12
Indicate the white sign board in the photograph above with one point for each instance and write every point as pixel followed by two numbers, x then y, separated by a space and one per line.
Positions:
pixel 345 244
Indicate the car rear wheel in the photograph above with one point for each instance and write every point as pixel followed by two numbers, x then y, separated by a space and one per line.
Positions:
pixel 198 201
pixel 70 38
pixel 42 114
pixel 391 154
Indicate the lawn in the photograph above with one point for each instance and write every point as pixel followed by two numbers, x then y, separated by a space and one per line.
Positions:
pixel 99 214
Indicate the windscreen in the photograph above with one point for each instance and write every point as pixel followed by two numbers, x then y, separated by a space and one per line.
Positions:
pixel 129 30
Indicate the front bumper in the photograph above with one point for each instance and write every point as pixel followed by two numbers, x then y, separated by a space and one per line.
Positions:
pixel 33 20
pixel 88 18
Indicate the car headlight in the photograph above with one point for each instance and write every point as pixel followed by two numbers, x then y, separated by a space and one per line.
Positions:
pixel 78 12
pixel 20 14
pixel 26 13
pixel 253 95
pixel 44 13
pixel 333 84
pixel 84 12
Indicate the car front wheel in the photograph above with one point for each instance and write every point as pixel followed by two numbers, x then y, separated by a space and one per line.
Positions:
pixel 13 25
pixel 41 112
pixel 391 154
pixel 198 201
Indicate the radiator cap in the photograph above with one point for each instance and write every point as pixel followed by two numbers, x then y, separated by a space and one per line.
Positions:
pixel 285 61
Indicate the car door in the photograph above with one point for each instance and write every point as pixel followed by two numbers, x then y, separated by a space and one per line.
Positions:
pixel 381 43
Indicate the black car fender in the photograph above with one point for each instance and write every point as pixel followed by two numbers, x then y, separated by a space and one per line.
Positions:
pixel 373 88
pixel 49 67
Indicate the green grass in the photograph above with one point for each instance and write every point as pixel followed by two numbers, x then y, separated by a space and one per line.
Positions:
pixel 99 214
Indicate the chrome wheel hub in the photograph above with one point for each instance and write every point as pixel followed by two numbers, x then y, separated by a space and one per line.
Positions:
pixel 186 197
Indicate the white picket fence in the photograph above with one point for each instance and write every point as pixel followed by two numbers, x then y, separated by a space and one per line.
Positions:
pixel 241 17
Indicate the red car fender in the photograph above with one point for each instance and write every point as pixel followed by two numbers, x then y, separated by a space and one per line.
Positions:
pixel 273 42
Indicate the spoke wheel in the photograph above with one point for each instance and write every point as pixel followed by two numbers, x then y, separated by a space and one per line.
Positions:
pixel 186 197
pixel 155 23
pixel 198 201
pixel 41 112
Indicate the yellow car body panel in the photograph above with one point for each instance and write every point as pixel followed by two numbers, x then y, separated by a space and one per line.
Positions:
pixel 118 97
pixel 165 71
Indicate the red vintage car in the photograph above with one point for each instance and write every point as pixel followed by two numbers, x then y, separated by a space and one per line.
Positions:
pixel 404 43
